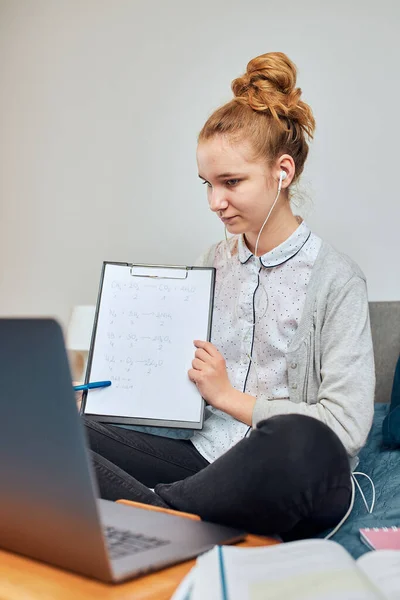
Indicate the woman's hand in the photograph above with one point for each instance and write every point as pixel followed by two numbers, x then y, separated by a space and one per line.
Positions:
pixel 78 395
pixel 210 375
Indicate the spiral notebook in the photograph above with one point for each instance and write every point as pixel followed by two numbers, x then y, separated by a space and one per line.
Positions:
pixel 381 538
pixel 147 317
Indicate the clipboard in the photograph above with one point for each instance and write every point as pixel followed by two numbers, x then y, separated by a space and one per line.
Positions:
pixel 146 319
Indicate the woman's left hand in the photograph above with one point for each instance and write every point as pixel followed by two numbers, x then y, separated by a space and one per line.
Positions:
pixel 209 374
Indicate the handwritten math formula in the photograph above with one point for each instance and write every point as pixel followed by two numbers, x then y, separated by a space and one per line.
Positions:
pixel 139 327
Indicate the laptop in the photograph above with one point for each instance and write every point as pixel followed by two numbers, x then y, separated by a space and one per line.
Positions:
pixel 49 503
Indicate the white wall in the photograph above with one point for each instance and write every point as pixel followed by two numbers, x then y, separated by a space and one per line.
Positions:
pixel 100 105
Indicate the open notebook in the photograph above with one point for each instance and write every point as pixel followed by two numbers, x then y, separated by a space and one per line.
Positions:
pixel 305 570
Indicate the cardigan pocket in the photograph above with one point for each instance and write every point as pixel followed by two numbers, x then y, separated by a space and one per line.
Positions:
pixel 307 369
pixel 311 384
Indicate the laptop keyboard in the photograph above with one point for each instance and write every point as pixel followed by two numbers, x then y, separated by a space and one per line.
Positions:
pixel 121 542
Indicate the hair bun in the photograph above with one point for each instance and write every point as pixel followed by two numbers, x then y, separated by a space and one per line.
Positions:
pixel 269 85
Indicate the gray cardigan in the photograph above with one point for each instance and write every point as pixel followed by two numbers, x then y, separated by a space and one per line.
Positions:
pixel 330 360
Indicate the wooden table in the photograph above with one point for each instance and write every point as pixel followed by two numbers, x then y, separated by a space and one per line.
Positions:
pixel 25 579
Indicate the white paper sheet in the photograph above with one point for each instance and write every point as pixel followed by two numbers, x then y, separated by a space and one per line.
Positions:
pixel 144 342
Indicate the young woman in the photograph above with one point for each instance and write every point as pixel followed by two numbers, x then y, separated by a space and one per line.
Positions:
pixel 288 376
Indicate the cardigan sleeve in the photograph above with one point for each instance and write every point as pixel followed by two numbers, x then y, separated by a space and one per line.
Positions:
pixel 345 400
pixel 207 258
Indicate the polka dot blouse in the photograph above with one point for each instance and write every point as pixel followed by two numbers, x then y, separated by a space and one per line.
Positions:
pixel 258 304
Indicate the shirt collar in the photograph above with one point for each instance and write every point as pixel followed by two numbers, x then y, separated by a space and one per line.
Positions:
pixel 282 253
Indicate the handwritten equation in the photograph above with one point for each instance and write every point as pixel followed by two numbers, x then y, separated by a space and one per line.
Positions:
pixel 181 292
pixel 133 347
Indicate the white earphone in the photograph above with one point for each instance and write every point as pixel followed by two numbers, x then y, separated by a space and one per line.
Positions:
pixel 282 176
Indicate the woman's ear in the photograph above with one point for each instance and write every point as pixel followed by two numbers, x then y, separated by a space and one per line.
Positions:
pixel 287 166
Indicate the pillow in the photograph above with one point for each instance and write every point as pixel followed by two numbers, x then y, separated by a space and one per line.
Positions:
pixel 391 423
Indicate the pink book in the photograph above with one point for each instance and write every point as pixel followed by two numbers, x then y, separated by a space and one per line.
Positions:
pixel 381 538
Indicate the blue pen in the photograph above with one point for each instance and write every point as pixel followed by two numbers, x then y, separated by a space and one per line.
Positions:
pixel 92 385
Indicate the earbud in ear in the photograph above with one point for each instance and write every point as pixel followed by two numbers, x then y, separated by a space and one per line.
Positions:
pixel 283 175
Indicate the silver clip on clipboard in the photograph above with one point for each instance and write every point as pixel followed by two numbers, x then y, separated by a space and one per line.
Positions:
pixel 163 271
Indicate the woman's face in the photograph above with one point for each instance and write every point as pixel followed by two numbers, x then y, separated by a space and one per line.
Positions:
pixel 240 189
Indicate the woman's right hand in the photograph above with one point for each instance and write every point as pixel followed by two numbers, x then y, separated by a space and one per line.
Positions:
pixel 78 395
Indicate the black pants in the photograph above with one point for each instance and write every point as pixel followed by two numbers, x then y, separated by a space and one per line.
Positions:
pixel 290 477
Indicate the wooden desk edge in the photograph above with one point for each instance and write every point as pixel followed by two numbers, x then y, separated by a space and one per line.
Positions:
pixel 22 577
